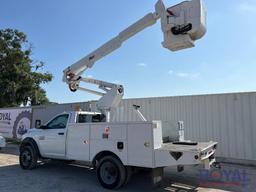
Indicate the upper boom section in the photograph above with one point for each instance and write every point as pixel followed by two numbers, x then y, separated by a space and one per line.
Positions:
pixel 87 62
pixel 181 24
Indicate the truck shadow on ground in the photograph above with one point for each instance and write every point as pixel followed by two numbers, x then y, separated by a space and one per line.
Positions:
pixel 62 177
pixel 59 176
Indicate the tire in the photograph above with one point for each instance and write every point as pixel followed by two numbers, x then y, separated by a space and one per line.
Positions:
pixel 111 173
pixel 129 173
pixel 20 130
pixel 28 158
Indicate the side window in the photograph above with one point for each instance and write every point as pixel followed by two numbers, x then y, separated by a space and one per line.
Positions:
pixel 59 122
pixel 82 118
pixel 97 118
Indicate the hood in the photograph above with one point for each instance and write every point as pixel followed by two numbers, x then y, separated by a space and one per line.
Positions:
pixel 31 132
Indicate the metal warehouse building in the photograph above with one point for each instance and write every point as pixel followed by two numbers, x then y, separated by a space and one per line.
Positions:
pixel 229 119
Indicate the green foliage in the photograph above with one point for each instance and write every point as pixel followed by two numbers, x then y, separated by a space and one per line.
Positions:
pixel 20 76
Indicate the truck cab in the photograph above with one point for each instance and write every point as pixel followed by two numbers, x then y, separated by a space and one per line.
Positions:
pixel 51 137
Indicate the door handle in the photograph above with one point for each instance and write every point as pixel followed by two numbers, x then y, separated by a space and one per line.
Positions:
pixel 60 133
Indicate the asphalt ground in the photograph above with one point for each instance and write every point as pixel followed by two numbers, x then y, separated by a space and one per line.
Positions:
pixel 61 177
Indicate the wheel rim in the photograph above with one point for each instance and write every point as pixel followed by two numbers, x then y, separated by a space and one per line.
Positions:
pixel 26 158
pixel 109 173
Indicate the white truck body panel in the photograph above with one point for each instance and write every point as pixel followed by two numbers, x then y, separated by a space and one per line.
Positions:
pixel 51 144
pixel 137 138
pixel 137 144
pixel 140 144
pixel 80 136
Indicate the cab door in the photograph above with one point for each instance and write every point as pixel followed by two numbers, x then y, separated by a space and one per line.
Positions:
pixel 53 139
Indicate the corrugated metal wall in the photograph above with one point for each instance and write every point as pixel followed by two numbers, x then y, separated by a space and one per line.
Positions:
pixel 229 119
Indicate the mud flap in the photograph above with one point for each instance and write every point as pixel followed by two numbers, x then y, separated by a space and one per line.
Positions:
pixel 157 175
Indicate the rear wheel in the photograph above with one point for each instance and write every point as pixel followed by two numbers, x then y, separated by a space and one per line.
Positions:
pixel 28 158
pixel 111 172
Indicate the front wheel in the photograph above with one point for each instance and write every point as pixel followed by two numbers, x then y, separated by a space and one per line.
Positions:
pixel 28 158
pixel 111 172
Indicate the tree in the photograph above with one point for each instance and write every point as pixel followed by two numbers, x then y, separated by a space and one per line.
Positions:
pixel 20 77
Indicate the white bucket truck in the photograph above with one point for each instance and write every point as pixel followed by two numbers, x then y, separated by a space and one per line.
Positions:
pixel 115 149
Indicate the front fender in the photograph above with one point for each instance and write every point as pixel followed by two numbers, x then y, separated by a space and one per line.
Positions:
pixel 30 142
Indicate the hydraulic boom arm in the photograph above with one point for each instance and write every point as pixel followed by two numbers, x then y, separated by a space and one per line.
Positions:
pixel 181 25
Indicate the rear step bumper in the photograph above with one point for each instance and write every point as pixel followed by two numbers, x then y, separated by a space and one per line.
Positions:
pixel 181 154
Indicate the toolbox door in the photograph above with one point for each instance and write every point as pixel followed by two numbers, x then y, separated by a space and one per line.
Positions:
pixel 140 144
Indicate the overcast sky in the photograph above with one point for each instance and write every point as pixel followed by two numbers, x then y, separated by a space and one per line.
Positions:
pixel 63 31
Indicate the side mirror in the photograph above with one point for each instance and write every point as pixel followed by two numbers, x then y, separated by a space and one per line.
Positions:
pixel 43 127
